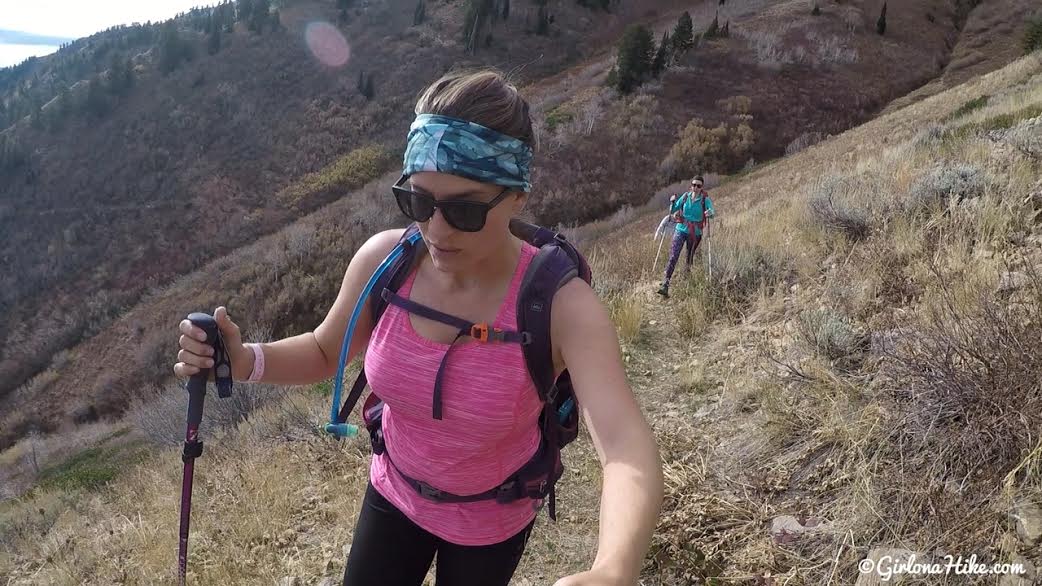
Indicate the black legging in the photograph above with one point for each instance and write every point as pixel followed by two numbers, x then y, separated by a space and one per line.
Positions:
pixel 390 550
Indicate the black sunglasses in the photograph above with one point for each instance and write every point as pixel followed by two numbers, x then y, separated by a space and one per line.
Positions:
pixel 463 215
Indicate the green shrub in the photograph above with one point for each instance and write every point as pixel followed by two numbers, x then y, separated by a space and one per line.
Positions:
pixel 351 171
pixel 970 106
pixel 90 468
pixel 831 335
pixel 558 116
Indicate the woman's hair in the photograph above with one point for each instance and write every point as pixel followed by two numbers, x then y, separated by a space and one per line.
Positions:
pixel 484 97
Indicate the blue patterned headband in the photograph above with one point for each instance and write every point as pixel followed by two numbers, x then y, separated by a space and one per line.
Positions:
pixel 458 147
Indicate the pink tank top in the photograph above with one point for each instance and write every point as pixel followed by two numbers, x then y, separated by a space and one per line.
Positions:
pixel 488 430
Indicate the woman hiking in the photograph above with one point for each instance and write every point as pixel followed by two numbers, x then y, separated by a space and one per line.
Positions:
pixel 466 175
pixel 690 211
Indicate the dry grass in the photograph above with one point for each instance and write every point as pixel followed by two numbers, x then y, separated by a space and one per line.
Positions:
pixel 749 377
pixel 627 311
pixel 818 439
pixel 968 377
pixel 249 492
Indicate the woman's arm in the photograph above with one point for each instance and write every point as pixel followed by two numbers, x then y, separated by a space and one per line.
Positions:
pixel 312 357
pixel 631 494
pixel 677 203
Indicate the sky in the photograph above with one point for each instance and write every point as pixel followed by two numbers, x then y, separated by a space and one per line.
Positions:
pixel 77 18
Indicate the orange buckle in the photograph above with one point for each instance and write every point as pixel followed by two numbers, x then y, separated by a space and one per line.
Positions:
pixel 480 332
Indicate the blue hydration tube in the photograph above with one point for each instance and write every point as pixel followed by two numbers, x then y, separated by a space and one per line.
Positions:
pixel 347 429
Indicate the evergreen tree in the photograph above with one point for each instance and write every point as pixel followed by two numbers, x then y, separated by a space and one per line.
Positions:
pixel 661 56
pixel 95 103
pixel 365 85
pixel 420 14
pixel 244 11
pixel 171 48
pixel 228 16
pixel 506 9
pixel 261 16
pixel 121 75
pixel 213 42
pixel 1032 40
pixel 12 154
pixel 635 55
pixel 36 118
pixel 542 26
pixel 127 75
pixel 683 34
pixel 64 103
pixel 478 13
pixel 714 28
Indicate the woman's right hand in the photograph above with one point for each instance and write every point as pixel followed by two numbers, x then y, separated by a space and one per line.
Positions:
pixel 196 354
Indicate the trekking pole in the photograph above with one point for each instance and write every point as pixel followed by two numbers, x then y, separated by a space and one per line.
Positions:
pixel 654 265
pixel 661 235
pixel 709 251
pixel 193 448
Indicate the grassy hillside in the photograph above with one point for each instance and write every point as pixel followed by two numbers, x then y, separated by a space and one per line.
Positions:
pixel 859 373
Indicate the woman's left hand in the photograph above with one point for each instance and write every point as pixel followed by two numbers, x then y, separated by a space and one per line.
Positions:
pixel 590 578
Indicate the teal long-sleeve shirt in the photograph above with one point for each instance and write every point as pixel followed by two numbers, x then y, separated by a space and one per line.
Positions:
pixel 692 208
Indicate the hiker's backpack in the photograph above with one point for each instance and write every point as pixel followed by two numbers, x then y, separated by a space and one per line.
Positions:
pixel 556 263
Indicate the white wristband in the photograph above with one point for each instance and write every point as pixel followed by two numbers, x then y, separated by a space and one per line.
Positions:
pixel 258 362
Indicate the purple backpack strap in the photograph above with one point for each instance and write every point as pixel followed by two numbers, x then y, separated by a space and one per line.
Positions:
pixel 556 263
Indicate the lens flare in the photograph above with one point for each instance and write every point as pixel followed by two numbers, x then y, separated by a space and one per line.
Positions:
pixel 327 44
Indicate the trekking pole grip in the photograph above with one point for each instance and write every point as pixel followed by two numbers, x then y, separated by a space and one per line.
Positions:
pixel 197 382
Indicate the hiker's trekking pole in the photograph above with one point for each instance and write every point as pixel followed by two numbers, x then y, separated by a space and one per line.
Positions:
pixel 661 235
pixel 709 251
pixel 193 448
pixel 660 241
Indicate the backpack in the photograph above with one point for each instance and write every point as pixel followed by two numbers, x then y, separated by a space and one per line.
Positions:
pixel 556 263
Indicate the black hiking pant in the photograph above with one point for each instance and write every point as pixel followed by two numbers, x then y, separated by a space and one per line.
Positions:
pixel 390 550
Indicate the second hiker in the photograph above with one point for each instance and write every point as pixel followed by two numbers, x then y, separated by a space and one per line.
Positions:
pixel 690 211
